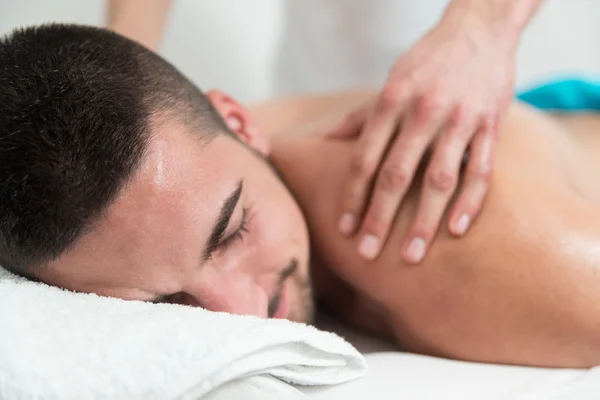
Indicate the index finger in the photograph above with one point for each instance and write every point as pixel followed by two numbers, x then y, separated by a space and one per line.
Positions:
pixel 368 152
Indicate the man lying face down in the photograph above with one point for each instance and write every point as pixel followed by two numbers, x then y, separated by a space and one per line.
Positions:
pixel 121 178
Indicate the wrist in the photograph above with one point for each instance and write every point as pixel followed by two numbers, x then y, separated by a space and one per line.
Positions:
pixel 502 21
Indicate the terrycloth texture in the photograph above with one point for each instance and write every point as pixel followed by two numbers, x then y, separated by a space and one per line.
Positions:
pixel 56 344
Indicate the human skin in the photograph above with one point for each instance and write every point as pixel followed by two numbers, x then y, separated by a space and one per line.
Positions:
pixel 449 90
pixel 520 288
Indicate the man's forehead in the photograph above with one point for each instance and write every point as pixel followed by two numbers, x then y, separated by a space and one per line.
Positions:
pixel 178 190
pixel 178 174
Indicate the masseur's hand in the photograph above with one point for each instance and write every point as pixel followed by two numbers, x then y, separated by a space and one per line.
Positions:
pixel 445 95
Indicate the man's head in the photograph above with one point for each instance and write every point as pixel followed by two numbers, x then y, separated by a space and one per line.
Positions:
pixel 121 178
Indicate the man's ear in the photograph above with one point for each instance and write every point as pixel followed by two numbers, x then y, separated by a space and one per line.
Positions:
pixel 239 121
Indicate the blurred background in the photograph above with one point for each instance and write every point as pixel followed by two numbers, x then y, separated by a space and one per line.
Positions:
pixel 236 45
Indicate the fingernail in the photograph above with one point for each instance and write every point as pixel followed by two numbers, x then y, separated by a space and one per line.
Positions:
pixel 369 247
pixel 416 250
pixel 462 224
pixel 347 224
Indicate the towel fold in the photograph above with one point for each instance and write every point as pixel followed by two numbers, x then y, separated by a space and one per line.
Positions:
pixel 56 344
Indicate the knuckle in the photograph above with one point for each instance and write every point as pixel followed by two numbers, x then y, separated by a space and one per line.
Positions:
pixel 377 223
pixel 487 114
pixel 362 167
pixel 489 121
pixel 392 95
pixel 394 177
pixel 424 229
pixel 442 179
pixel 471 205
pixel 431 103
pixel 461 115
pixel 482 172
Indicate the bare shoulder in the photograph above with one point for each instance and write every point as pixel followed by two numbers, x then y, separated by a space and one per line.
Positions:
pixel 521 287
pixel 281 115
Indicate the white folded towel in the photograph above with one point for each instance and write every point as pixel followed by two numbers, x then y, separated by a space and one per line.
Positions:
pixel 56 344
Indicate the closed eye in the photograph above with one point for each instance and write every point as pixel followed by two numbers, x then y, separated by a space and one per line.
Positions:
pixel 239 232
pixel 182 297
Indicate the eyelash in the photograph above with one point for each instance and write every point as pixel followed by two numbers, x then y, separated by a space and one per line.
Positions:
pixel 225 243
pixel 239 233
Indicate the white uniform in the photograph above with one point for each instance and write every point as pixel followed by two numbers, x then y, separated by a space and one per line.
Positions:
pixel 337 44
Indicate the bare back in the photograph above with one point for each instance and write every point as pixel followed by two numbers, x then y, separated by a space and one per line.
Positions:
pixel 522 287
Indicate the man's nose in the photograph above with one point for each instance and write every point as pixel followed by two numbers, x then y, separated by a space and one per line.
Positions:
pixel 234 293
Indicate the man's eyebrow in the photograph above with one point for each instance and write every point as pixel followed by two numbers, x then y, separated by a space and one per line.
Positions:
pixel 222 221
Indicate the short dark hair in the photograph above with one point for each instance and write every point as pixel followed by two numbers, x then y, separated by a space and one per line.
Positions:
pixel 75 109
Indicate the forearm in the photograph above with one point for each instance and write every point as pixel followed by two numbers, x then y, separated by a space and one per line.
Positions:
pixel 505 19
pixel 140 20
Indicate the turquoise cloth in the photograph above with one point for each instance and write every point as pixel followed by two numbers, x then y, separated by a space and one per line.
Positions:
pixel 569 95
